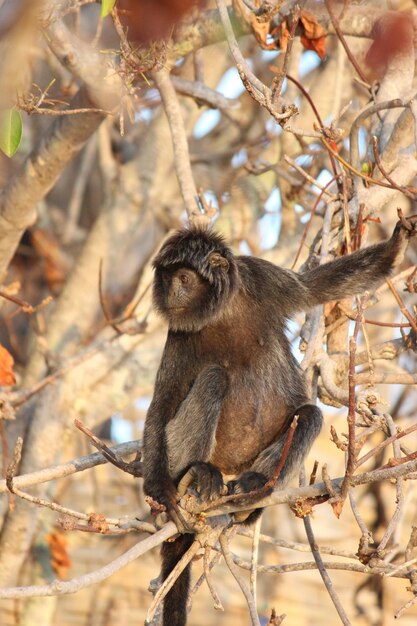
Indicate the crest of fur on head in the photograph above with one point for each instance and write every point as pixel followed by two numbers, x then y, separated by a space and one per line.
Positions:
pixel 205 253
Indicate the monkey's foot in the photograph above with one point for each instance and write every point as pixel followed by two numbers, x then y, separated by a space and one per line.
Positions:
pixel 205 479
pixel 248 482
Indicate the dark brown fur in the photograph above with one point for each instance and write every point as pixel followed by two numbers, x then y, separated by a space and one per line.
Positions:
pixel 228 385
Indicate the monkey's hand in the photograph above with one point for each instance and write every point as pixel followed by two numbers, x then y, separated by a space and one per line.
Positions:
pixel 205 479
pixel 165 500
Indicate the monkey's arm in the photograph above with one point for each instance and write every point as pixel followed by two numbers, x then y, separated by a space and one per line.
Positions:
pixel 356 272
pixel 181 424
pixel 171 387
pixel 157 481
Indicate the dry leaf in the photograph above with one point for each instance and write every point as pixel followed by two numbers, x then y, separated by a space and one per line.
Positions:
pixel 314 37
pixel 261 32
pixel 57 264
pixel 261 25
pixel 285 34
pixel 276 620
pixel 312 28
pixel 58 546
pixel 98 522
pixel 337 506
pixel 7 376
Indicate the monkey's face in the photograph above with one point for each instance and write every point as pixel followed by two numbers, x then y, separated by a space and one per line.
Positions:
pixel 195 278
pixel 181 295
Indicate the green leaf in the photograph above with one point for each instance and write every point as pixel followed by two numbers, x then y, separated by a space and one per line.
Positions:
pixel 10 131
pixel 106 7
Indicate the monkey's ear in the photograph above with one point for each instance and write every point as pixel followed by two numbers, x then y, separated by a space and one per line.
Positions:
pixel 217 260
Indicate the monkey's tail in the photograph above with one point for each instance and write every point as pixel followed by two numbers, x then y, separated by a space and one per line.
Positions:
pixel 175 602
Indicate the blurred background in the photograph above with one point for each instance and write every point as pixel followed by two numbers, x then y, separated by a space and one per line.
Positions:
pixel 114 116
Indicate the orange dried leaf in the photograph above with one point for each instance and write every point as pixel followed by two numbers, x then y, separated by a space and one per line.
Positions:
pixel 261 32
pixel 98 522
pixel 317 45
pixel 314 37
pixel 7 376
pixel 56 262
pixel 312 28
pixel 285 34
pixel 337 507
pixel 58 546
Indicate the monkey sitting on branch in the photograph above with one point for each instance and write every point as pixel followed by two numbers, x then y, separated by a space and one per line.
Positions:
pixel 228 386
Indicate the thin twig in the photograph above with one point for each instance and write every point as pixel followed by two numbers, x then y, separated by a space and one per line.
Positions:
pixel 318 117
pixel 342 39
pixel 370 109
pixel 386 442
pixel 354 170
pixel 207 567
pixel 239 579
pixel 179 143
pixel 352 449
pixel 25 307
pixel 406 606
pixel 307 228
pixel 254 558
pixel 241 64
pixel 385 174
pixel 203 94
pixel 67 469
pixel 402 306
pixel 171 579
pixel 281 74
pixel 399 500
pixel 133 468
pixel 320 564
pixel 295 545
pixel 401 567
pixel 311 565
pixel 214 561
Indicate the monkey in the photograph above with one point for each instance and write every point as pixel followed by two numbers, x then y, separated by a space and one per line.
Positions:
pixel 228 385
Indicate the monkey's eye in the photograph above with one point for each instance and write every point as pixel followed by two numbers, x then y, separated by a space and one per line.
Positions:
pixel 184 279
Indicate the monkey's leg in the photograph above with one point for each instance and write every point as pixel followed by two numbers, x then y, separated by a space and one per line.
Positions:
pixel 175 602
pixel 191 434
pixel 310 420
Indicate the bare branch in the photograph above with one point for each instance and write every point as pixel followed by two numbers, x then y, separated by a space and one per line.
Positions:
pixel 72 467
pixel 180 144
pixel 223 539
pixel 60 587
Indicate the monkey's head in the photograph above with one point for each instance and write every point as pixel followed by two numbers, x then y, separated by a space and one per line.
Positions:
pixel 195 278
